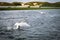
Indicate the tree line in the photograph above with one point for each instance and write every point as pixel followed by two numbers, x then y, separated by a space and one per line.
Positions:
pixel 44 4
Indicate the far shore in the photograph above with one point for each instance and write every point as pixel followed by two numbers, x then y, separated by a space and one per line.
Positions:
pixel 29 8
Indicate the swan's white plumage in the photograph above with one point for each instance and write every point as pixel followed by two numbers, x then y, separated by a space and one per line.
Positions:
pixel 42 12
pixel 21 24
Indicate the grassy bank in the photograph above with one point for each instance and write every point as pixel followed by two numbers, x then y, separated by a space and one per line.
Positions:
pixel 26 8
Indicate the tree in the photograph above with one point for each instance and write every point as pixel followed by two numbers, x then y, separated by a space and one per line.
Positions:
pixel 5 4
pixel 57 4
pixel 17 3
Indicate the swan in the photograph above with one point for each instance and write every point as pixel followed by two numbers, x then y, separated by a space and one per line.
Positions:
pixel 20 24
pixel 43 12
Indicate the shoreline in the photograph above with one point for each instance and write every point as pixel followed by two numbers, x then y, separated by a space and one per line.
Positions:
pixel 27 8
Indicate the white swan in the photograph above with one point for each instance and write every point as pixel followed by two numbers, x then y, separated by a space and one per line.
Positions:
pixel 21 24
pixel 43 12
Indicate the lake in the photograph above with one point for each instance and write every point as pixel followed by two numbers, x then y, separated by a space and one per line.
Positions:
pixel 44 24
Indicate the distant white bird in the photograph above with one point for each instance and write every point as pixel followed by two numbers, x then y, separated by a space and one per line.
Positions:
pixel 21 24
pixel 42 12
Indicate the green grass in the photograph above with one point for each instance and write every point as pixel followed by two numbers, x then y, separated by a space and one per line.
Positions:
pixel 26 8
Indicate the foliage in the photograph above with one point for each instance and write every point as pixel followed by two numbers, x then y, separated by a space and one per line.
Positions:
pixel 44 4
pixel 17 3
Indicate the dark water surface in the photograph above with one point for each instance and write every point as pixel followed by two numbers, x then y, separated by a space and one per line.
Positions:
pixel 44 24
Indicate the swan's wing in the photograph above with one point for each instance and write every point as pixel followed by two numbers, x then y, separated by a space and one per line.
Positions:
pixel 16 24
pixel 24 24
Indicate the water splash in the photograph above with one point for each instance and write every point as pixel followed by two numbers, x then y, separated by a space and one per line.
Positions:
pixel 21 24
